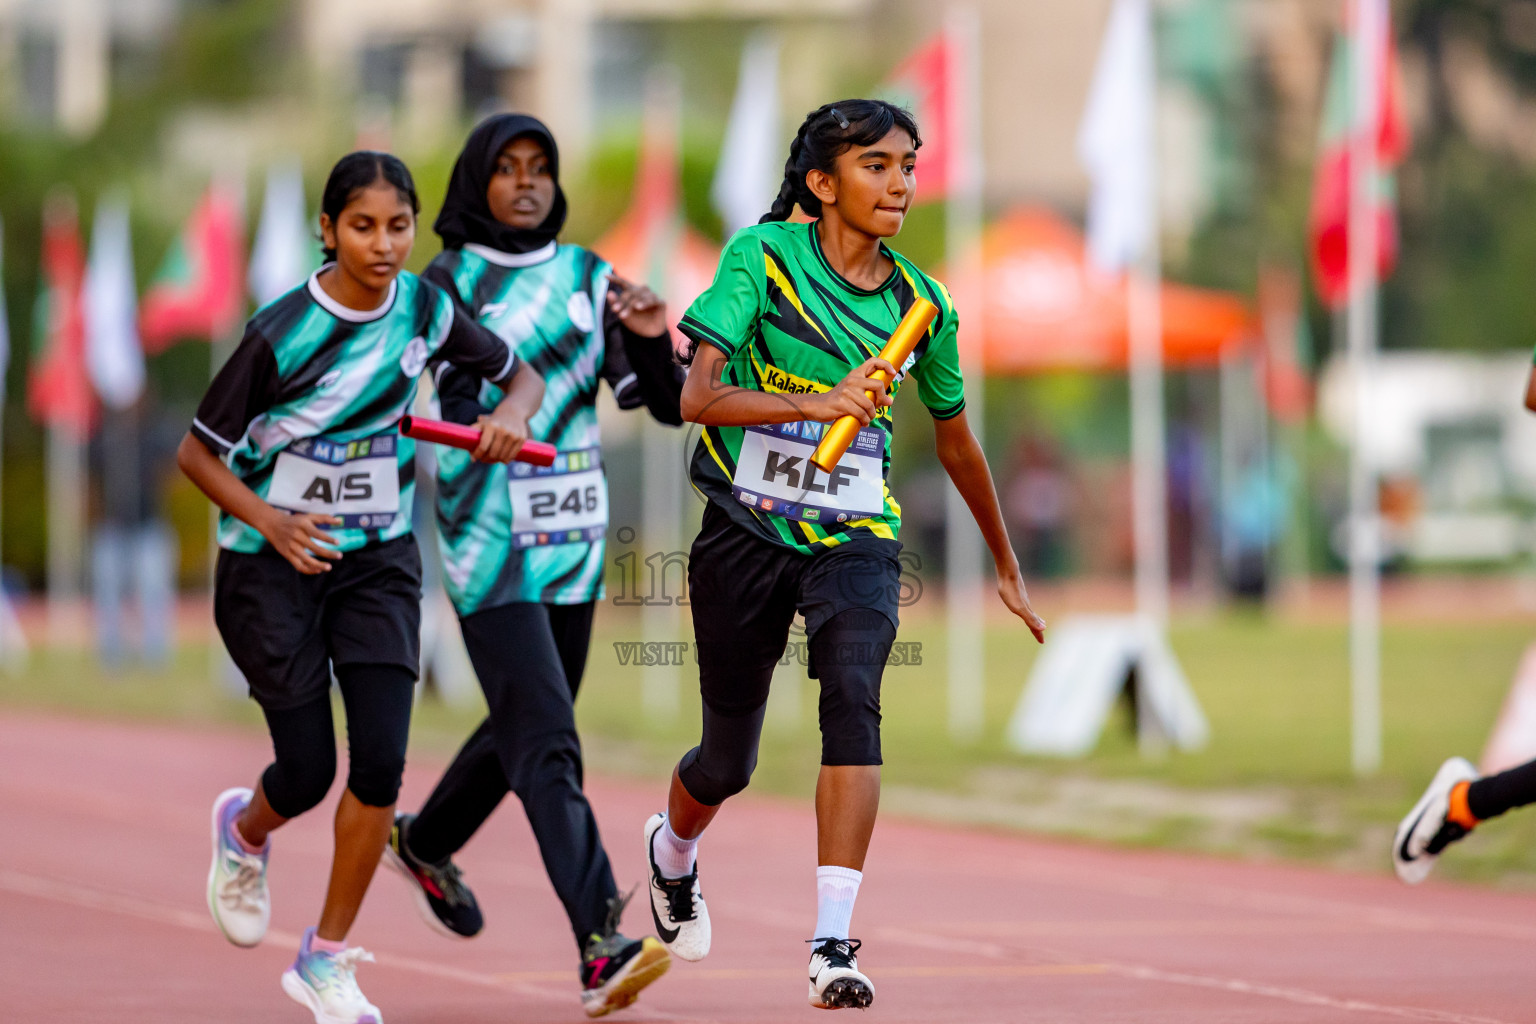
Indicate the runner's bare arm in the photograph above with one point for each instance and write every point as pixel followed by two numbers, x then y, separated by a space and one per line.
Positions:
pixel 709 401
pixel 297 537
pixel 962 458
pixel 1530 391
pixel 504 430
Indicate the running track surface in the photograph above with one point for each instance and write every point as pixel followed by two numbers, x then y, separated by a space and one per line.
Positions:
pixel 104 852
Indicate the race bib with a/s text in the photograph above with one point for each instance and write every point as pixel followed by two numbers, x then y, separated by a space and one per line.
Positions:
pixel 563 503
pixel 774 474
pixel 357 481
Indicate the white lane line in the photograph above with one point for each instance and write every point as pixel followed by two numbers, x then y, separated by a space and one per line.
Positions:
pixel 134 906
pixel 991 950
pixel 1295 995
pixel 128 905
pixel 1231 897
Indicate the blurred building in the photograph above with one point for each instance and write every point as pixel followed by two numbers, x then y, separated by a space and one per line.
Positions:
pixel 56 56
pixel 1450 430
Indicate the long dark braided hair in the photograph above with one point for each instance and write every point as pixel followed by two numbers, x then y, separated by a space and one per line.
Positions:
pixel 824 135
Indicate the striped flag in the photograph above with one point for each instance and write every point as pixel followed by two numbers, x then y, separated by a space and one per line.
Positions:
pixel 199 291
pixel 1328 226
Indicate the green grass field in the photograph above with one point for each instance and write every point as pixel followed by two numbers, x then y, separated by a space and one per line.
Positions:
pixel 1274 781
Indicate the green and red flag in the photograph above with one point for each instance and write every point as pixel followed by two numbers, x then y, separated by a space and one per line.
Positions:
pixel 199 291
pixel 59 386
pixel 1328 223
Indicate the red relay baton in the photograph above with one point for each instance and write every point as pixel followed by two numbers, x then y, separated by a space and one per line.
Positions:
pixel 457 435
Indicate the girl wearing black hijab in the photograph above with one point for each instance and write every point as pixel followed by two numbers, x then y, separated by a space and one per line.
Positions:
pixel 523 549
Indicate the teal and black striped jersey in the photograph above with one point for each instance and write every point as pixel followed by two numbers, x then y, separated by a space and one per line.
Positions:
pixel 306 410
pixel 519 533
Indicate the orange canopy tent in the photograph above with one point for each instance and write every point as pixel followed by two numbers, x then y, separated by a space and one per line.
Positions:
pixel 1044 308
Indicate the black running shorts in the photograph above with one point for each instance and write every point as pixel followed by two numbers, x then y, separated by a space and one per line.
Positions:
pixel 285 630
pixel 744 591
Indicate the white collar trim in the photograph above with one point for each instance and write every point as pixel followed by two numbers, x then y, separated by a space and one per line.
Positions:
pixel 340 312
pixel 512 259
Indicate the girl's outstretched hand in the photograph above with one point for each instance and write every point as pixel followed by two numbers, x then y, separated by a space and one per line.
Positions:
pixel 637 307
pixel 1010 587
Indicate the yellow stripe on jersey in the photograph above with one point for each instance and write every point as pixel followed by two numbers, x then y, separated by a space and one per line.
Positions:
pixel 912 283
pixel 779 278
pixel 874 526
pixel 949 303
pixel 704 434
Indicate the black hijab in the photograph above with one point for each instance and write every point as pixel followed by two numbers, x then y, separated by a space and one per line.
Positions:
pixel 466 217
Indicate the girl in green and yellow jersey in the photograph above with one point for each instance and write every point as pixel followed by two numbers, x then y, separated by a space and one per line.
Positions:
pixel 785 341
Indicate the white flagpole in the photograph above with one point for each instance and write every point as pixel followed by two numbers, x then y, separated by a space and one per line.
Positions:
pixel 1118 146
pixel 964 552
pixel 1149 457
pixel 65 510
pixel 1365 523
pixel 661 495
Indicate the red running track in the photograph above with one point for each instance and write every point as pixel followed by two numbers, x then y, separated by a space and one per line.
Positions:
pixel 103 855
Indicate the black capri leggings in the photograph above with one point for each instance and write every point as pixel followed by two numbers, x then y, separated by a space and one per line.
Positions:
pixel 744 593
pixel 378 704
pixel 848 654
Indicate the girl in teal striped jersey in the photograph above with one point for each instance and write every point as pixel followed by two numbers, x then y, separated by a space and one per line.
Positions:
pixel 523 549
pixel 296 441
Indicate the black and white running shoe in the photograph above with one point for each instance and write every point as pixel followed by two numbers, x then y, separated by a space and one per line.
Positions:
pixel 1426 830
pixel 682 919
pixel 615 968
pixel 444 900
pixel 836 983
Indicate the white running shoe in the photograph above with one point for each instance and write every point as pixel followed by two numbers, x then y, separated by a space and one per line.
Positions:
pixel 237 880
pixel 327 984
pixel 682 919
pixel 1425 831
pixel 836 983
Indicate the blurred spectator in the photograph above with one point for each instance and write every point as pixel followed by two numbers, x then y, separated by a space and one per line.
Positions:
pixel 923 498
pixel 133 549
pixel 1188 501
pixel 1038 500
pixel 1257 510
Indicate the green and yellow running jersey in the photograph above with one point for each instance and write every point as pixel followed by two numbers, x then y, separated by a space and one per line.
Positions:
pixel 790 324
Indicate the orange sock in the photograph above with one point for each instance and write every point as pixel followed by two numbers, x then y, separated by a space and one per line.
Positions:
pixel 1458 811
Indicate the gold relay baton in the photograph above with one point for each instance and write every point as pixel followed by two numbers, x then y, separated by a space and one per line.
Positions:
pixel 903 340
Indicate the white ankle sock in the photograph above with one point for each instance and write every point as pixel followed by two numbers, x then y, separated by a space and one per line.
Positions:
pixel 674 856
pixel 836 889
